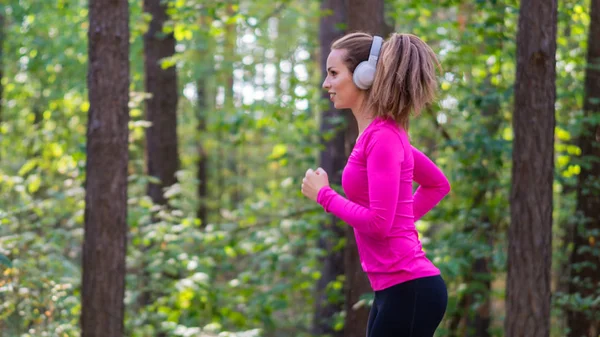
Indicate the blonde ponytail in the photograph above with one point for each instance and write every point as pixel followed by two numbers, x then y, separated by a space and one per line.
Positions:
pixel 405 80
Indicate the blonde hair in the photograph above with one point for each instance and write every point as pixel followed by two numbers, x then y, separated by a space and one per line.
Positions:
pixel 405 79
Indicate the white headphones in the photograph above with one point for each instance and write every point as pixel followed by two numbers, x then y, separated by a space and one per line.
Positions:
pixel 364 74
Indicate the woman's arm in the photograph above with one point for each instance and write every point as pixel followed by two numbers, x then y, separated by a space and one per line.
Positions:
pixel 384 157
pixel 433 184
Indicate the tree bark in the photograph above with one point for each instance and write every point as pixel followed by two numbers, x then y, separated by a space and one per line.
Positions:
pixel 366 16
pixel 230 155
pixel 332 160
pixel 205 100
pixel 530 233
pixel 202 173
pixel 2 38
pixel 585 274
pixel 104 247
pixel 161 108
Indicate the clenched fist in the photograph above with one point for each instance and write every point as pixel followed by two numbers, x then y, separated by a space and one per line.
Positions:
pixel 313 181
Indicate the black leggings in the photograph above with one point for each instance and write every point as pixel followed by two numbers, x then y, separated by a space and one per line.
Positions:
pixel 410 309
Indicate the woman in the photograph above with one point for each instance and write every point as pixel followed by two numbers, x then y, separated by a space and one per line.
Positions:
pixel 396 78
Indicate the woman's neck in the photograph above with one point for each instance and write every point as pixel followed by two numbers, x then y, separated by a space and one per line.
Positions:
pixel 362 120
pixel 363 123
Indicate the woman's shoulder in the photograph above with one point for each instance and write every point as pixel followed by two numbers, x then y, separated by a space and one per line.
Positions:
pixel 387 129
pixel 385 134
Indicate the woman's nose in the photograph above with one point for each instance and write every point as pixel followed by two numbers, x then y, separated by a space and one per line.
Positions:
pixel 326 84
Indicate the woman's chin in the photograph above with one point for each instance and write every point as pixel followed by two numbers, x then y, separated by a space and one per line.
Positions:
pixel 338 105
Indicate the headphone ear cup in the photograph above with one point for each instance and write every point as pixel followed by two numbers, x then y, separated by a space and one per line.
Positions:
pixel 363 76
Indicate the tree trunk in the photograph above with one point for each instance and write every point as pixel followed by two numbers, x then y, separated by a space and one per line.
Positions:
pixel 332 160
pixel 479 324
pixel 229 155
pixel 225 154
pixel 162 159
pixel 105 244
pixel 585 278
pixel 161 108
pixel 367 16
pixel 205 100
pixel 2 38
pixel 202 174
pixel 530 234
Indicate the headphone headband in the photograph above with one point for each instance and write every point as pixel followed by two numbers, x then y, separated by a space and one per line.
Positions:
pixel 375 49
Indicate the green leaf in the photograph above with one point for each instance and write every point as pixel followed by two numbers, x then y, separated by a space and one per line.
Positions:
pixel 5 261
pixel 28 166
pixel 279 151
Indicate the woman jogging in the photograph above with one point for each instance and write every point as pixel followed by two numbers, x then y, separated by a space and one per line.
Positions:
pixel 383 82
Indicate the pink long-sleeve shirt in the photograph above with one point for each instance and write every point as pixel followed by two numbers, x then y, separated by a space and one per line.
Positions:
pixel 380 204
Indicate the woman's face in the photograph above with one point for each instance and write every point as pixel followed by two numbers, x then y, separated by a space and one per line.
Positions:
pixel 342 91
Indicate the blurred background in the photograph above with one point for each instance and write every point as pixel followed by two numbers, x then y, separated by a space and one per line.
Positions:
pixel 226 113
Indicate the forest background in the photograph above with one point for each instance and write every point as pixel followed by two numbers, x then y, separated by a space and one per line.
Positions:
pixel 224 112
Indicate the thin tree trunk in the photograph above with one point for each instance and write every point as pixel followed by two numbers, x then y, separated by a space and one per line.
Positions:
pixel 205 104
pixel 161 108
pixel 530 234
pixel 228 169
pixel 162 159
pixel 202 175
pixel 105 244
pixel 478 326
pixel 2 43
pixel 585 274
pixel 2 38
pixel 332 160
pixel 367 16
